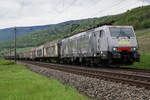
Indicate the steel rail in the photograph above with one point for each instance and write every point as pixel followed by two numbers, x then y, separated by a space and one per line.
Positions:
pixel 134 80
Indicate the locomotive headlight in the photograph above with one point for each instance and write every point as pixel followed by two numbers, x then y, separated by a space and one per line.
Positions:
pixel 115 49
pixel 134 49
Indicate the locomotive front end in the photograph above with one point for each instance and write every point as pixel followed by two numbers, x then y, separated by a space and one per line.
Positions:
pixel 123 44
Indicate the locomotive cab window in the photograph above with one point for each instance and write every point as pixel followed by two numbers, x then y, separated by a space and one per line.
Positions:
pixel 121 32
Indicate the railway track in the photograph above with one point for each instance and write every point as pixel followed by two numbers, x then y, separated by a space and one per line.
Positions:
pixel 110 75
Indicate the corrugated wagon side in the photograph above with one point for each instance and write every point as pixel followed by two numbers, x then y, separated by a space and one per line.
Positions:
pixel 39 53
pixel 51 52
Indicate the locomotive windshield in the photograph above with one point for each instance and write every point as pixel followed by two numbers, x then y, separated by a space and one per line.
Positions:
pixel 121 32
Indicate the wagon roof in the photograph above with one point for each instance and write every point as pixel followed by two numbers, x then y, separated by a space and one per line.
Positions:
pixel 117 26
pixel 50 43
pixel 95 28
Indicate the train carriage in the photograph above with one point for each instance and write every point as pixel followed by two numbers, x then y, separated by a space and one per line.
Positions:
pixel 33 54
pixel 21 56
pixel 51 51
pixel 26 55
pixel 39 53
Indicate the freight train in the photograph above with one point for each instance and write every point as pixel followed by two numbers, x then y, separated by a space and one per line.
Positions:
pixel 101 45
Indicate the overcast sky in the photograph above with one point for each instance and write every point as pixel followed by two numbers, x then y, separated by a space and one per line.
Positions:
pixel 41 12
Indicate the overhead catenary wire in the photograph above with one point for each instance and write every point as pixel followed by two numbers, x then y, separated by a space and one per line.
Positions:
pixel 104 10
pixel 58 2
pixel 121 7
pixel 63 7
pixel 72 3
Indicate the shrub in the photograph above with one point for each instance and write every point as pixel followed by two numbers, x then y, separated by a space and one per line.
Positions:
pixel 6 62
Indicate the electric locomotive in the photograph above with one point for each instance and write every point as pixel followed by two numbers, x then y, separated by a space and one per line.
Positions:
pixel 106 44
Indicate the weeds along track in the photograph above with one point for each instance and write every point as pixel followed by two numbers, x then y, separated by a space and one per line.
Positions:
pixel 115 75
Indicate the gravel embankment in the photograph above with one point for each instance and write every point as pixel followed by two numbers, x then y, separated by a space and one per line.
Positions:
pixel 95 88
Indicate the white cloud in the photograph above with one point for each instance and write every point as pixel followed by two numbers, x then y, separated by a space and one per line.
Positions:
pixel 40 12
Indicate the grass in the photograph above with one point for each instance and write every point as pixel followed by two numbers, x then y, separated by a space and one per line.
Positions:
pixel 18 83
pixel 143 64
pixel 142 32
pixel 143 37
pixel 5 62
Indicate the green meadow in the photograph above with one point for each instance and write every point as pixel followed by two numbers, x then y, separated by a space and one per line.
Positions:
pixel 18 83
pixel 143 64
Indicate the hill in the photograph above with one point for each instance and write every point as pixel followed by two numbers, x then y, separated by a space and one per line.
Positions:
pixel 7 33
pixel 54 32
pixel 139 18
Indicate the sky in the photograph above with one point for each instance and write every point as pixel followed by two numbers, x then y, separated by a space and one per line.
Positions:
pixel 41 12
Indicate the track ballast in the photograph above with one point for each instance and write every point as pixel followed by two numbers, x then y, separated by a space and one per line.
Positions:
pixel 108 75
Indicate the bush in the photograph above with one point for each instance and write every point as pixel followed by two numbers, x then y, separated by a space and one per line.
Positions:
pixel 6 62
